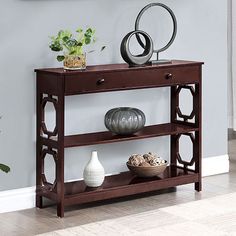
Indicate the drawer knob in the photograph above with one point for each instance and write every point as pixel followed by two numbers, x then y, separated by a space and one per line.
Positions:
pixel 100 81
pixel 169 76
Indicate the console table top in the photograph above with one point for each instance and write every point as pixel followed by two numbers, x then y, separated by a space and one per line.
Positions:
pixel 117 67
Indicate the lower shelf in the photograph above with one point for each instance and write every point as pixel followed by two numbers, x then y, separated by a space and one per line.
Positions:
pixel 124 184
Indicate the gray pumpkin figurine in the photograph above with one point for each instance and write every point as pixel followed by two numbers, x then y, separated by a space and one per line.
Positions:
pixel 124 120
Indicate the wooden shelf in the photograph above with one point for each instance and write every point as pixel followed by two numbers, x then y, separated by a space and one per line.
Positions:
pixel 125 184
pixel 108 137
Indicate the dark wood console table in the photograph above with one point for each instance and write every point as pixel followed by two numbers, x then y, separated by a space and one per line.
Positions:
pixel 52 87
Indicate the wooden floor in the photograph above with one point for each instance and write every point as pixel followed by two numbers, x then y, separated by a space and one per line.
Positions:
pixel 36 221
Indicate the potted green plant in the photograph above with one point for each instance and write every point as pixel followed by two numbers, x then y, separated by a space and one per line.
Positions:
pixel 4 168
pixel 72 47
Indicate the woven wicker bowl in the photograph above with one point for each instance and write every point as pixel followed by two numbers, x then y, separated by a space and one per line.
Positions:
pixel 146 172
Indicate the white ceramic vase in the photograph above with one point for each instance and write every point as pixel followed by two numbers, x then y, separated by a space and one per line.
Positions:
pixel 94 173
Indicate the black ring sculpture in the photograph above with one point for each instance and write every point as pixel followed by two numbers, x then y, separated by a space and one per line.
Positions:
pixel 141 59
pixel 173 34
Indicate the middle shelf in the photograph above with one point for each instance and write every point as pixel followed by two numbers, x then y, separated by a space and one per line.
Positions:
pixel 108 137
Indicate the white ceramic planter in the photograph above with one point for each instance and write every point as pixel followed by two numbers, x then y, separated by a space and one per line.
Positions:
pixel 94 173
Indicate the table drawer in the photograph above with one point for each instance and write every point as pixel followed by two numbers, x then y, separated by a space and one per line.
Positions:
pixel 131 79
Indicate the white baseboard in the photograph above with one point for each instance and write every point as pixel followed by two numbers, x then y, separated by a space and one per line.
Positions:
pixel 24 198
pixel 231 123
pixel 17 199
pixel 215 165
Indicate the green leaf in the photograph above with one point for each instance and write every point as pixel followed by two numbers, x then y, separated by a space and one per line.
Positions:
pixel 56 46
pixel 64 33
pixel 87 35
pixel 60 33
pixel 73 52
pixel 103 47
pixel 60 58
pixel 4 168
pixel 87 41
pixel 72 43
pixel 65 38
pixel 79 30
pixel 89 30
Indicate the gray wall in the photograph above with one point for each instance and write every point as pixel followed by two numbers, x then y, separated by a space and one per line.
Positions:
pixel 25 26
pixel 230 90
